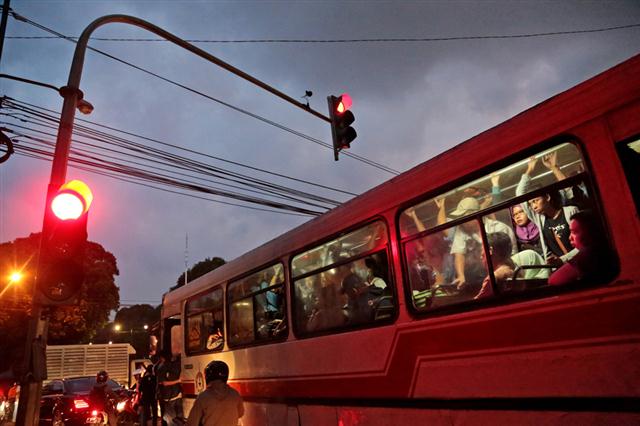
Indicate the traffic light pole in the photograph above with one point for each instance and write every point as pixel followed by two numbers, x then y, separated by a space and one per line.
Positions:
pixel 31 382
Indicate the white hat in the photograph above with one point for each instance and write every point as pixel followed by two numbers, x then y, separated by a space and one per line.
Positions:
pixel 465 206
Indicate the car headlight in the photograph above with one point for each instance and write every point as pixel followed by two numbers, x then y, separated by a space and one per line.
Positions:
pixel 120 406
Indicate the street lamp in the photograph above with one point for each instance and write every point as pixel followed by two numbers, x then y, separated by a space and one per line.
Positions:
pixel 82 105
pixel 15 277
pixel 117 327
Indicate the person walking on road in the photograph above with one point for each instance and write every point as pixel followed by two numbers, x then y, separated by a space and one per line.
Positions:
pixel 219 404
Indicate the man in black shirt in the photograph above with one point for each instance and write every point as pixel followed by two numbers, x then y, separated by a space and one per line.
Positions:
pixel 169 388
pixel 148 401
pixel 556 234
pixel 554 221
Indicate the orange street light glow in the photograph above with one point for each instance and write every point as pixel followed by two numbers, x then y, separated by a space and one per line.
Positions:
pixel 15 277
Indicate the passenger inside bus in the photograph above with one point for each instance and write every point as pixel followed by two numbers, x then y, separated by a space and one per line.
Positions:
pixel 549 213
pixel 327 311
pixel 270 319
pixel 430 262
pixel 503 267
pixel 595 262
pixel 527 232
pixel 380 298
pixel 375 278
pixel 530 265
pixel 355 288
pixel 467 245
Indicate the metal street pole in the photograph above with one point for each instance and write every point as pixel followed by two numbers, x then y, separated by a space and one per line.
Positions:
pixel 3 24
pixel 37 335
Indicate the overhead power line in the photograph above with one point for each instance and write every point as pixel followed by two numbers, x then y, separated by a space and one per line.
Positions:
pixel 180 148
pixel 103 153
pixel 352 40
pixel 219 101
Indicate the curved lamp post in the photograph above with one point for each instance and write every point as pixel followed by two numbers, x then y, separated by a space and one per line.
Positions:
pixel 73 98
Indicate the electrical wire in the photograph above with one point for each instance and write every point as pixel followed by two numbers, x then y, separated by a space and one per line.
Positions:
pixel 90 156
pixel 176 161
pixel 219 101
pixel 38 111
pixel 353 40
pixel 99 156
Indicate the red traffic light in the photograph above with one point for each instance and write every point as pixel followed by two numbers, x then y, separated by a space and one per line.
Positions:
pixel 344 103
pixel 72 200
pixel 341 119
pixel 62 251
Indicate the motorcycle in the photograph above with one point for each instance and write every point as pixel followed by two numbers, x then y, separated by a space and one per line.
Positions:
pixel 125 411
pixel 97 417
pixel 127 408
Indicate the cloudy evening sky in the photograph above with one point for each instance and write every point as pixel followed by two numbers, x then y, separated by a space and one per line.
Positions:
pixel 412 100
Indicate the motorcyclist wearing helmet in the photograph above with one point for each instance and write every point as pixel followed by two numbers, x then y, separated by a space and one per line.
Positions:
pixel 102 397
pixel 219 404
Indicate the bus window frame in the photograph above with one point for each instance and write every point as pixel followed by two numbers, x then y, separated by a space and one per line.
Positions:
pixel 635 196
pixel 588 177
pixel 228 302
pixel 387 248
pixel 185 327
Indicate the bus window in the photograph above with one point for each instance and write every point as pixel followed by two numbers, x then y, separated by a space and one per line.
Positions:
pixel 205 323
pixel 629 154
pixel 523 241
pixel 353 244
pixel 257 308
pixel 346 287
pixel 493 188
pixel 447 267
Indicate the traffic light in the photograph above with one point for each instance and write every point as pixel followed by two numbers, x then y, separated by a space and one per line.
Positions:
pixel 64 236
pixel 341 119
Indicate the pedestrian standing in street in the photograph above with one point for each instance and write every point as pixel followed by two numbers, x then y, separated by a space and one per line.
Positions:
pixel 219 404
pixel 148 401
pixel 169 388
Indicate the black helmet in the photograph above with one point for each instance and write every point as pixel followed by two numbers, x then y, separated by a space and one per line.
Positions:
pixel 216 370
pixel 102 376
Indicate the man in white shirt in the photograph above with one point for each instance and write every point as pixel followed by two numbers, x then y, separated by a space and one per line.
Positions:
pixel 467 243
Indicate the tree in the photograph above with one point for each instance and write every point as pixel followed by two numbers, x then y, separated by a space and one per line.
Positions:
pixel 199 269
pixel 67 324
pixel 131 322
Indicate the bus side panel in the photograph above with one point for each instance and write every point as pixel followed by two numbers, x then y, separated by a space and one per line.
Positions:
pixel 317 415
pixel 361 416
pixel 276 414
pixel 580 369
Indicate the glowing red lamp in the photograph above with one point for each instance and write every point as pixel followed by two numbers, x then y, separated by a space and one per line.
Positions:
pixel 72 200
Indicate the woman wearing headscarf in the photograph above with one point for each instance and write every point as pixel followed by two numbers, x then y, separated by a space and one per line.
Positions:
pixel 527 232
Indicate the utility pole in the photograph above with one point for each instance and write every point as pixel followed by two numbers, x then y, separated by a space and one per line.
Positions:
pixel 33 369
pixel 3 24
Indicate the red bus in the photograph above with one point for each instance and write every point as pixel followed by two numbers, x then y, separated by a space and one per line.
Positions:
pixel 438 297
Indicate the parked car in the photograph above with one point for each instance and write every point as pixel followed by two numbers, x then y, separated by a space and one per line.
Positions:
pixel 66 401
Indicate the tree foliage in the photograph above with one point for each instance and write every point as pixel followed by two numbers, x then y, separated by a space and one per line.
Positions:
pixel 67 324
pixel 131 321
pixel 199 269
